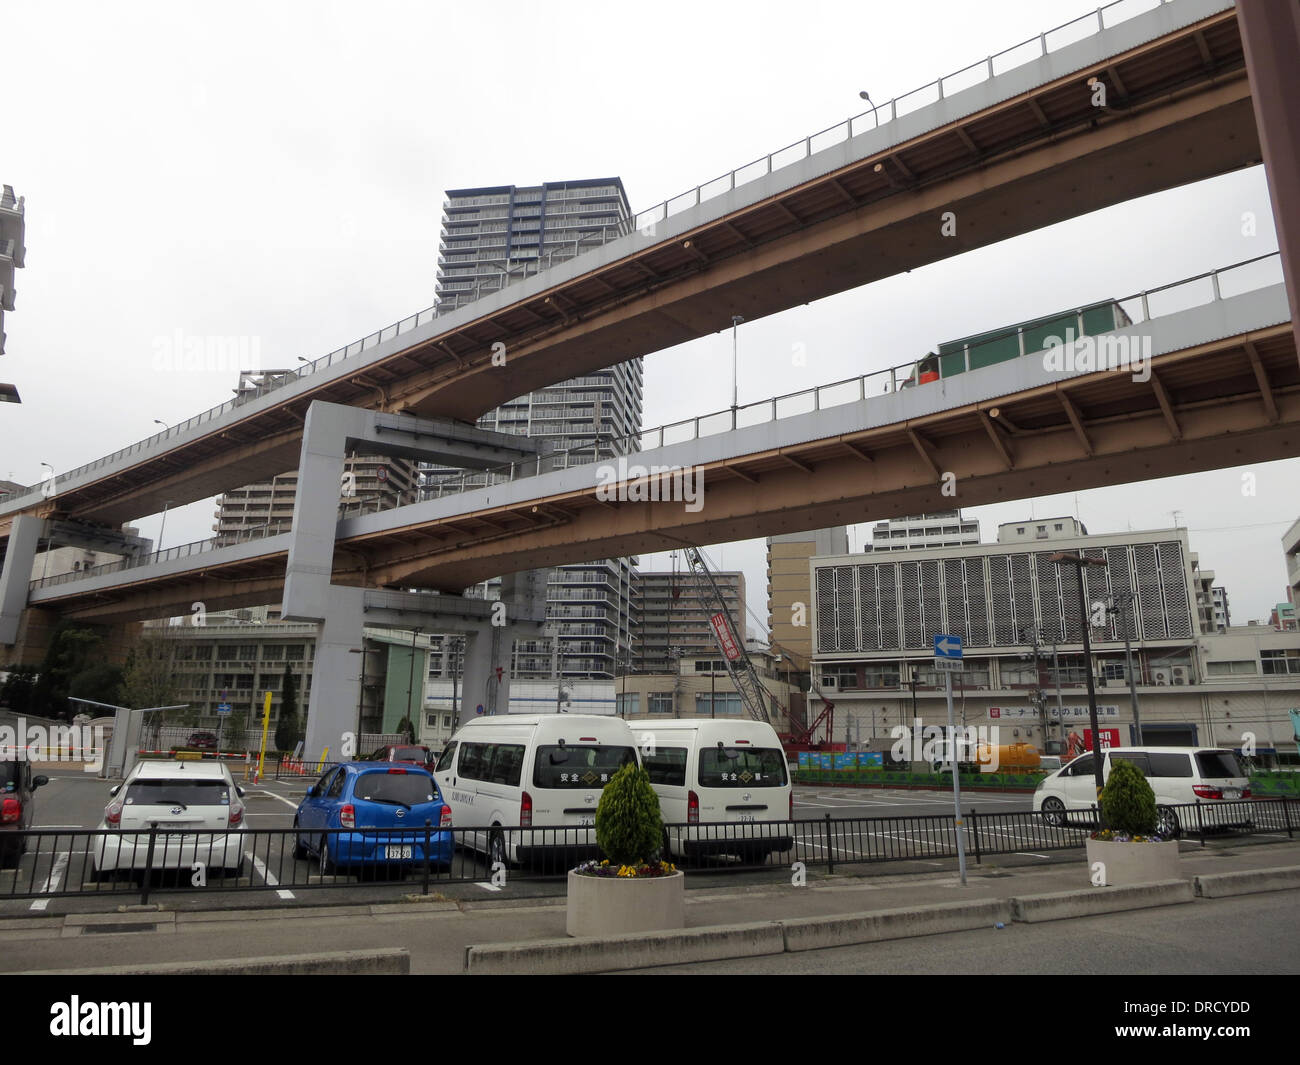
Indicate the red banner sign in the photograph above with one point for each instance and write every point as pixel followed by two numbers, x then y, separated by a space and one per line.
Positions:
pixel 726 640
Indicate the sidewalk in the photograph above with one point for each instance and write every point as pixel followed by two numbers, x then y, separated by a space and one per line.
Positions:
pixel 436 932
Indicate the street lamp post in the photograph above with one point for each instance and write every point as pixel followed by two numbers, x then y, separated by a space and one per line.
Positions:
pixel 410 688
pixel 736 319
pixel 867 96
pixel 49 540
pixel 1078 562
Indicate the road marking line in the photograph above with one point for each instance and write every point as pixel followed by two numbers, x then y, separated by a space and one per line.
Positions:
pixel 273 795
pixel 52 881
pixel 489 887
pixel 267 875
pixel 1029 854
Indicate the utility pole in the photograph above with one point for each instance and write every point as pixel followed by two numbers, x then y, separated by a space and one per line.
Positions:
pixel 736 319
pixel 1127 599
pixel 1078 562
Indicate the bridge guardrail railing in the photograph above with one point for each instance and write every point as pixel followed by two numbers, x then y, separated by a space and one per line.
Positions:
pixel 1017 55
pixel 51 862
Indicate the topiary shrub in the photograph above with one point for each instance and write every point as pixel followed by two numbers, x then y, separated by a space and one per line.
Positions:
pixel 629 828
pixel 1128 805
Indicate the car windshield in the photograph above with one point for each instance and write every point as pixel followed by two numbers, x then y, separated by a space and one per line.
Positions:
pixel 410 754
pixel 190 792
pixel 742 767
pixel 579 767
pixel 409 789
pixel 1218 765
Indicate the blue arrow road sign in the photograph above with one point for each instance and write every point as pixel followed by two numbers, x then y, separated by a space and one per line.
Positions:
pixel 223 708
pixel 947 646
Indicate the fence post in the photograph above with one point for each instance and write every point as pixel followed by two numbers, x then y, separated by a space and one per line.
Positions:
pixel 1200 821
pixel 1286 814
pixel 427 824
pixel 148 864
pixel 830 853
pixel 975 832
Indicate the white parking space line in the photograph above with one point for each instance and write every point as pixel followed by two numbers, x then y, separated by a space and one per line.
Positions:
pixel 267 875
pixel 273 795
pixel 52 881
pixel 489 887
pixel 42 828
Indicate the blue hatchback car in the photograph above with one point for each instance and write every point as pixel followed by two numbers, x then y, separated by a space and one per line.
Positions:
pixel 381 809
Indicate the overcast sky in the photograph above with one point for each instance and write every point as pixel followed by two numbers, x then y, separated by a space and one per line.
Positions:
pixel 275 172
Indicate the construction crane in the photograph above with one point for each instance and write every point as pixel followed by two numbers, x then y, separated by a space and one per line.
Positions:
pixel 739 666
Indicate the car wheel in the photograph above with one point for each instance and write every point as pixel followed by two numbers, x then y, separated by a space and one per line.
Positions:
pixel 299 847
pixel 496 850
pixel 1053 811
pixel 327 866
pixel 1167 826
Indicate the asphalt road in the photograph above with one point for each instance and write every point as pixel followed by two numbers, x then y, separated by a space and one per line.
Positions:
pixel 1246 935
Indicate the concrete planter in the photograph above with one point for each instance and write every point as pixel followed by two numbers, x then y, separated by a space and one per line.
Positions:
pixel 611 906
pixel 1134 863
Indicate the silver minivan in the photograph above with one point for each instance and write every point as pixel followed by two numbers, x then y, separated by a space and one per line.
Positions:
pixel 1178 776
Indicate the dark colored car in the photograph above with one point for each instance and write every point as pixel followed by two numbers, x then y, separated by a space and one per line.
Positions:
pixel 203 741
pixel 381 810
pixel 411 754
pixel 17 809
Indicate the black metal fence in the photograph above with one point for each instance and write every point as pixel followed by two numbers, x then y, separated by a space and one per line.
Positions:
pixel 79 862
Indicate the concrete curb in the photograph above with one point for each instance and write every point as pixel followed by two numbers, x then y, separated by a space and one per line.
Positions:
pixel 1059 905
pixel 1247 882
pixel 570 956
pixel 813 933
pixel 389 962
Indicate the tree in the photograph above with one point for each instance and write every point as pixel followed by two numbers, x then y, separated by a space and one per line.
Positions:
pixel 406 730
pixel 629 826
pixel 287 732
pixel 99 682
pixel 17 691
pixel 71 652
pixel 148 679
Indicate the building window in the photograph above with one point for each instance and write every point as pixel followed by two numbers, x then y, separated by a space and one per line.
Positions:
pixel 431 720
pixel 717 704
pixel 660 702
pixel 446 721
pixel 628 703
pixel 1224 669
pixel 1284 660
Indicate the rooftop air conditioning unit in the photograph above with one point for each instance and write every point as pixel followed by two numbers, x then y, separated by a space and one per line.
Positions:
pixel 1182 675
pixel 1162 676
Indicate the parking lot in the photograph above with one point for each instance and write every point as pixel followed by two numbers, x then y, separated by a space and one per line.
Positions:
pixel 894 831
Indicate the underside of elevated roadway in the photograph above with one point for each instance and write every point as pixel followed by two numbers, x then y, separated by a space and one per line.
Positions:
pixel 1224 391
pixel 1018 152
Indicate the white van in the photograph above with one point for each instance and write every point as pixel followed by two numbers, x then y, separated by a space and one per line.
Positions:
pixel 1177 775
pixel 543 771
pixel 728 774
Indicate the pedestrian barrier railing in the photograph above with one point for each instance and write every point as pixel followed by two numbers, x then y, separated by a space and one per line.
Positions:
pixel 139 863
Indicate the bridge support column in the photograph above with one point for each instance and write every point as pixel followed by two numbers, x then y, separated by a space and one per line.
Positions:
pixel 16 576
pixel 1270 37
pixel 333 707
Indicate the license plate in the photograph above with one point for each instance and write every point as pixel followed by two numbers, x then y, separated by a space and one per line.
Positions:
pixel 397 852
pixel 747 818
pixel 1232 793
pixel 586 821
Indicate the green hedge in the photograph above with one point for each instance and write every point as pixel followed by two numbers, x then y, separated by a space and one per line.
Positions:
pixel 1269 784
pixel 888 777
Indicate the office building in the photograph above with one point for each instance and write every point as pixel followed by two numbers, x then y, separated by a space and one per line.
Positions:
pixel 13 232
pixel 495 236
pixel 1018 615
pixel 789 598
pixel 939 528
pixel 675 613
